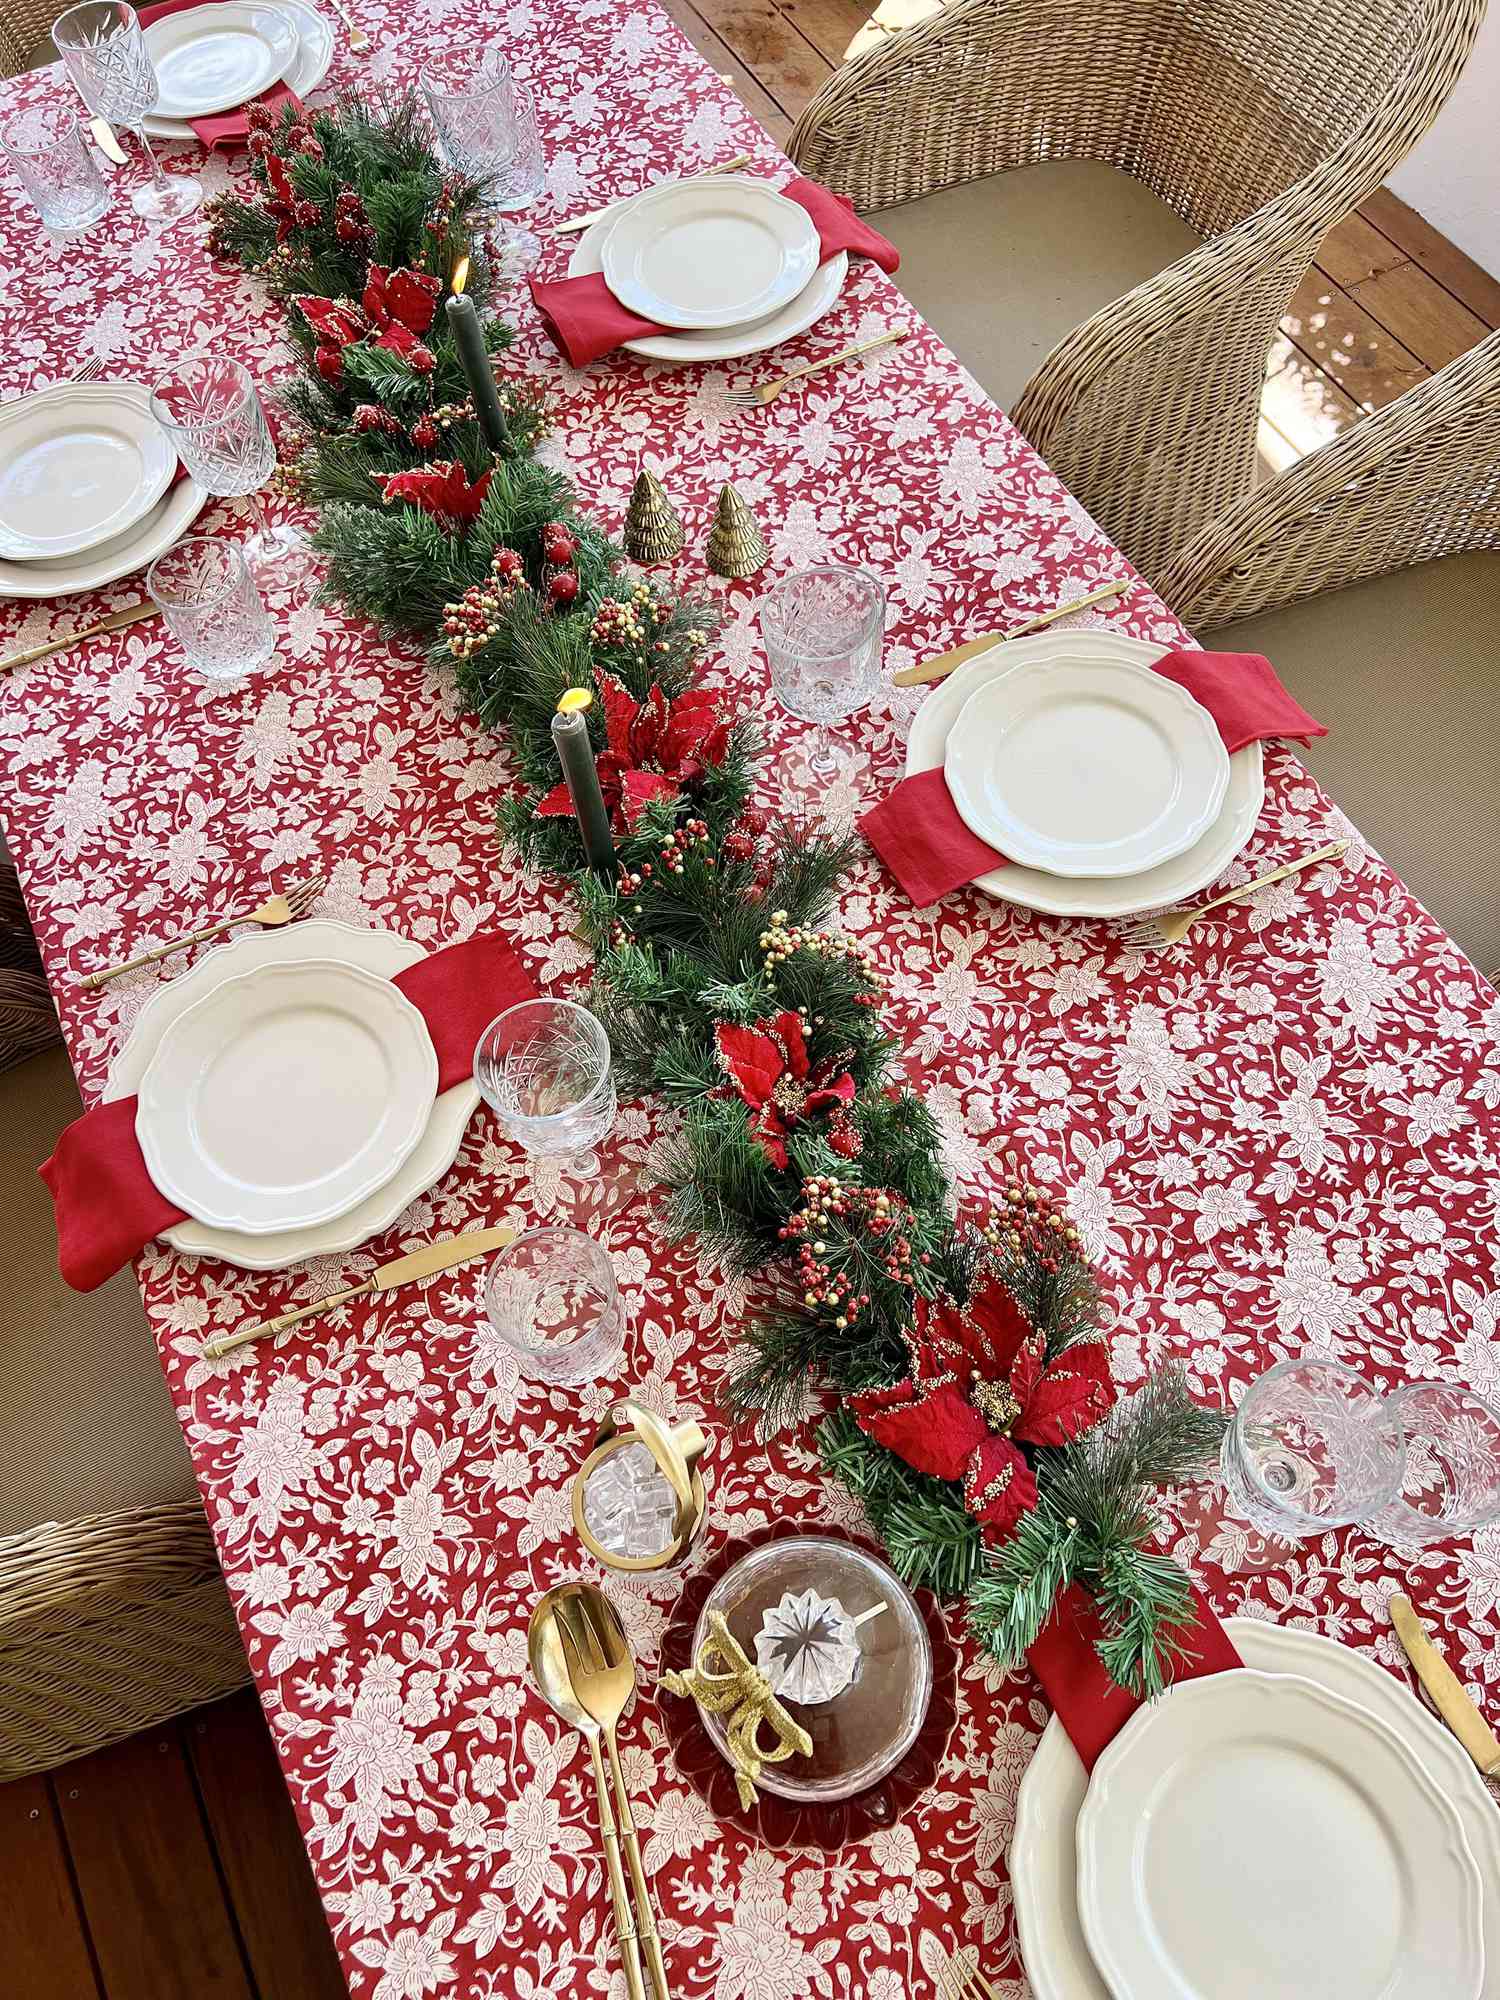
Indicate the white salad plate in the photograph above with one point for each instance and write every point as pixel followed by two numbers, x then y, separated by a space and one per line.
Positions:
pixel 382 953
pixel 710 253
pixel 1090 896
pixel 1044 1848
pixel 79 465
pixel 286 1095
pixel 315 45
pixel 215 57
pixel 1252 1834
pixel 167 522
pixel 817 297
pixel 1085 766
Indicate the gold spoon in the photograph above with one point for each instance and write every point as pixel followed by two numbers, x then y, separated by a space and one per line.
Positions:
pixel 549 1669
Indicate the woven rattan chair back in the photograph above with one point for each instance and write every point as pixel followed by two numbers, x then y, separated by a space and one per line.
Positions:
pixel 23 25
pixel 1261 126
pixel 1417 480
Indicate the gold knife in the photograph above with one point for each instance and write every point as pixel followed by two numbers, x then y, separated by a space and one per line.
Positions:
pixel 943 665
pixel 113 623
pixel 404 1271
pixel 1449 1697
pixel 598 214
pixel 104 138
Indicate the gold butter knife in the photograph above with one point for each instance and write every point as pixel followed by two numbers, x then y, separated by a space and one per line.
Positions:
pixel 1448 1694
pixel 404 1271
pixel 944 664
pixel 612 208
pixel 113 623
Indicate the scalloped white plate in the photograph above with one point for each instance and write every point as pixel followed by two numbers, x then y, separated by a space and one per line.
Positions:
pixel 315 44
pixel 1251 1834
pixel 380 952
pixel 1091 896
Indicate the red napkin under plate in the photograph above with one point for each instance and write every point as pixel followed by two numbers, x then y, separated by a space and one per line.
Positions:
pixel 585 319
pixel 222 130
pixel 916 829
pixel 107 1206
pixel 1092 1707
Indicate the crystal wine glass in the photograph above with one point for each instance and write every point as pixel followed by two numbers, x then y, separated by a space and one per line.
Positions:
pixel 486 127
pixel 543 1068
pixel 823 631
pixel 1312 1446
pixel 210 410
pixel 105 54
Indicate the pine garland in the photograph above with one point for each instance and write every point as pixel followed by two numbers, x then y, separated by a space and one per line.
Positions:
pixel 797 1156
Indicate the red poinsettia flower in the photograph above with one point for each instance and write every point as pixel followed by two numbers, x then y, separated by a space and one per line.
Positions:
pixel 336 322
pixel 656 747
pixel 400 305
pixel 442 489
pixel 981 1385
pixel 769 1067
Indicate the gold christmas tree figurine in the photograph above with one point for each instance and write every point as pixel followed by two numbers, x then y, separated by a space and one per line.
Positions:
pixel 736 546
pixel 653 527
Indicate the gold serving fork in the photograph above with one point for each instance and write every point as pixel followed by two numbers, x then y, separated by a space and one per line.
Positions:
pixel 575 222
pixel 359 41
pixel 270 916
pixel 755 399
pixel 1161 932
pixel 962 1981
pixel 602 1672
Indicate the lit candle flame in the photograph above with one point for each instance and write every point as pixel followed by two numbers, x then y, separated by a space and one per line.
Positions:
pixel 460 276
pixel 573 699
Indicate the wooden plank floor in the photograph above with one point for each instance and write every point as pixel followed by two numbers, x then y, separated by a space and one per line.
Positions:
pixel 170 1867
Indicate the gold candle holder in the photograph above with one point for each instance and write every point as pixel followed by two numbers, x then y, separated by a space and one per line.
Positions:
pixel 676 1451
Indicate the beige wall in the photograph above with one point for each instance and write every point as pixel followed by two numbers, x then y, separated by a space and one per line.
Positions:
pixel 1453 175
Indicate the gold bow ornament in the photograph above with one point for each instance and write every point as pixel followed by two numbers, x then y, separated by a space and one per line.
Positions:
pixel 724 1681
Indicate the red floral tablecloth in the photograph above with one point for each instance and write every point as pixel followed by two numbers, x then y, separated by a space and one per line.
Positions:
pixel 1284 1138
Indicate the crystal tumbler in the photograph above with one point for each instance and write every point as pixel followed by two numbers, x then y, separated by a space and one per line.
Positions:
pixel 1451 1483
pixel 552 1298
pixel 212 607
pixel 51 159
pixel 543 1068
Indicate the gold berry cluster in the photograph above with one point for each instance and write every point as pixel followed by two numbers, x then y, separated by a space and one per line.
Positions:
pixel 783 938
pixel 474 619
pixel 879 1217
pixel 1023 1221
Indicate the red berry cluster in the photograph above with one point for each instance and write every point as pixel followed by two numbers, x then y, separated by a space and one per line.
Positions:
pixel 559 546
pixel 1024 1223
pixel 351 224
pixel 832 1207
pixel 692 833
pixel 371 417
pixel 475 619
pixel 783 938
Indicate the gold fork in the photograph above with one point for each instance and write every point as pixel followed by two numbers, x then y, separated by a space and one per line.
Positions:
pixel 962 1981
pixel 1161 932
pixel 754 399
pixel 89 372
pixel 270 916
pixel 602 1671
pixel 359 41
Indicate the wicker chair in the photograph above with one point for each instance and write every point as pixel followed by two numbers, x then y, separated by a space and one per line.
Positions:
pixel 113 1614
pixel 1370 574
pixel 1255 128
pixel 23 31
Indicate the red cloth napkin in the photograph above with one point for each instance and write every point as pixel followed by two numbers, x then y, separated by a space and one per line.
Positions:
pixel 585 319
pixel 916 829
pixel 224 129
pixel 1092 1707
pixel 106 1205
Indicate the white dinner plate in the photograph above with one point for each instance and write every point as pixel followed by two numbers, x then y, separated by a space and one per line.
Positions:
pixel 817 296
pixel 315 45
pixel 286 1095
pixel 378 952
pixel 710 253
pixel 215 57
pixel 1082 766
pixel 1252 1834
pixel 167 522
pixel 1091 896
pixel 1043 1850
pixel 80 464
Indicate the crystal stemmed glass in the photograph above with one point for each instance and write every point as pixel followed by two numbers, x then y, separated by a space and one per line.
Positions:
pixel 104 53
pixel 543 1068
pixel 1312 1446
pixel 210 410
pixel 823 631
pixel 486 127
